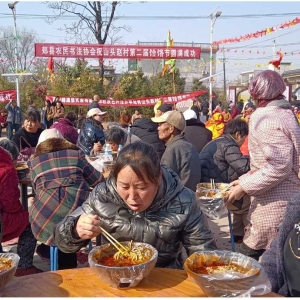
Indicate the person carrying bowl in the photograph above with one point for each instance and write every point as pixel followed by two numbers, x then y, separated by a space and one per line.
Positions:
pixel 274 147
pixel 140 201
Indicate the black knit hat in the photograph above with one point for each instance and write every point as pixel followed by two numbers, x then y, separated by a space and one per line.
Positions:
pixel 164 108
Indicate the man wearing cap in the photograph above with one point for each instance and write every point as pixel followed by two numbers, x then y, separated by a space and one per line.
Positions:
pixel 91 137
pixel 14 118
pixel 195 131
pixel 180 155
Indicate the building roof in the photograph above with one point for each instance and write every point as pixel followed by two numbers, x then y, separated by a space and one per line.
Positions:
pixel 291 72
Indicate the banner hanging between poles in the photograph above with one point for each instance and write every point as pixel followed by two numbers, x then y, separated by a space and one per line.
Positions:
pixel 115 51
pixel 145 101
pixel 7 95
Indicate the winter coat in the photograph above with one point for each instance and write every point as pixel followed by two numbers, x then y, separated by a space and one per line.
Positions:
pixel 146 130
pixel 274 147
pixel 173 219
pixel 61 178
pixel 67 129
pixel 18 114
pixel 30 138
pixel 91 132
pixel 273 260
pixel 222 160
pixel 196 134
pixel 94 104
pixel 183 158
pixel 14 217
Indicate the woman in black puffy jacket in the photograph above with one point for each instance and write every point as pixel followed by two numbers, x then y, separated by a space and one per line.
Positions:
pixel 140 201
pixel 222 160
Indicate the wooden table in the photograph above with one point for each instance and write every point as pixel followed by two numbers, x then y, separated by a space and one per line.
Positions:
pixel 84 283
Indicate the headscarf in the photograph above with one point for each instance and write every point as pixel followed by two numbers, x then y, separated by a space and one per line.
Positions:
pixel 267 85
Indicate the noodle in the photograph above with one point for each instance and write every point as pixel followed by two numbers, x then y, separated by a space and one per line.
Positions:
pixel 134 255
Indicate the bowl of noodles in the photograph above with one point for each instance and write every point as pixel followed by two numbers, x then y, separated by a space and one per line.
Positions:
pixel 123 270
pixel 226 274
pixel 8 265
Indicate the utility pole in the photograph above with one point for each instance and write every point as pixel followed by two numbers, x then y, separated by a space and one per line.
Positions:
pixel 213 18
pixel 12 6
pixel 224 74
pixel 274 49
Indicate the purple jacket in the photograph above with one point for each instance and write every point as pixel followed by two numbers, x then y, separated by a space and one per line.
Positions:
pixel 67 129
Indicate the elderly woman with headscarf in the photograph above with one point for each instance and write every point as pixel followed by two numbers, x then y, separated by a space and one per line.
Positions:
pixel 274 146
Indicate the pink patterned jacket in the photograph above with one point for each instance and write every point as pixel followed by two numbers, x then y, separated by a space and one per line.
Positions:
pixel 274 146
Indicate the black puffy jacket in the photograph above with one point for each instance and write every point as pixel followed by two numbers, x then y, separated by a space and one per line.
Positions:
pixel 91 132
pixel 146 130
pixel 172 220
pixel 222 160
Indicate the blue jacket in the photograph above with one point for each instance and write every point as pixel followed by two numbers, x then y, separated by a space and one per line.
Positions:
pixel 18 112
pixel 90 133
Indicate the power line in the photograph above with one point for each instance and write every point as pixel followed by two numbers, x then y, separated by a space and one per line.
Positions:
pixel 38 16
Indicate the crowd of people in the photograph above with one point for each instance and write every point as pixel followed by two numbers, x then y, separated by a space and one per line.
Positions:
pixel 149 195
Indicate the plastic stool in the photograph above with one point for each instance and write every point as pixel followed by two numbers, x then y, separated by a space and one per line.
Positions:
pixel 54 256
pixel 231 232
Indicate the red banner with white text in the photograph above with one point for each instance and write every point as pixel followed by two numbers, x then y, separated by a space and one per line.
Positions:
pixel 115 51
pixel 7 95
pixel 145 101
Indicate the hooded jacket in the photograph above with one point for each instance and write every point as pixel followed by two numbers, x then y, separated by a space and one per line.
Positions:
pixel 173 219
pixel 67 129
pixel 61 178
pixel 14 217
pixel 196 134
pixel 146 130
pixel 91 132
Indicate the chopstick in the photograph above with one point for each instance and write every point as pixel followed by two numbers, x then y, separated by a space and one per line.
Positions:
pixel 212 183
pixel 114 242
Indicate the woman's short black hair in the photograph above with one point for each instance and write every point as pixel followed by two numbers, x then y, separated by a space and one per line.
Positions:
pixel 116 135
pixel 33 115
pixel 10 147
pixel 71 116
pixel 236 125
pixel 143 160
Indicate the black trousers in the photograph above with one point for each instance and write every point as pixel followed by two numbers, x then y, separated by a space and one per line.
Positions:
pixel 256 254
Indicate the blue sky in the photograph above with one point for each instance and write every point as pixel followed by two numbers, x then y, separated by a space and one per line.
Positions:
pixel 189 30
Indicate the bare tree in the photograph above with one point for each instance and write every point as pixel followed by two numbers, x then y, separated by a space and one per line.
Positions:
pixel 25 49
pixel 95 22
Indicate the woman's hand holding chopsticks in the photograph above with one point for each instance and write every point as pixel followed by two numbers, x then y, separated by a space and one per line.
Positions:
pixel 88 226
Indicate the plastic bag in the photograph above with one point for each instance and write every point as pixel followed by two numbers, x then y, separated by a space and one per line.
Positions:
pixel 121 277
pixel 228 284
pixel 214 208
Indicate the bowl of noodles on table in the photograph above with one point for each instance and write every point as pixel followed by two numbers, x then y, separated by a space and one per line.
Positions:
pixel 8 266
pixel 226 274
pixel 123 269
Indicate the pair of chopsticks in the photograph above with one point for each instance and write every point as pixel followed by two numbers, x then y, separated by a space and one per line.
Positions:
pixel 114 242
pixel 212 183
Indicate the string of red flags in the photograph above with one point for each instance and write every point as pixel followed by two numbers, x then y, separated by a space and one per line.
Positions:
pixel 260 33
